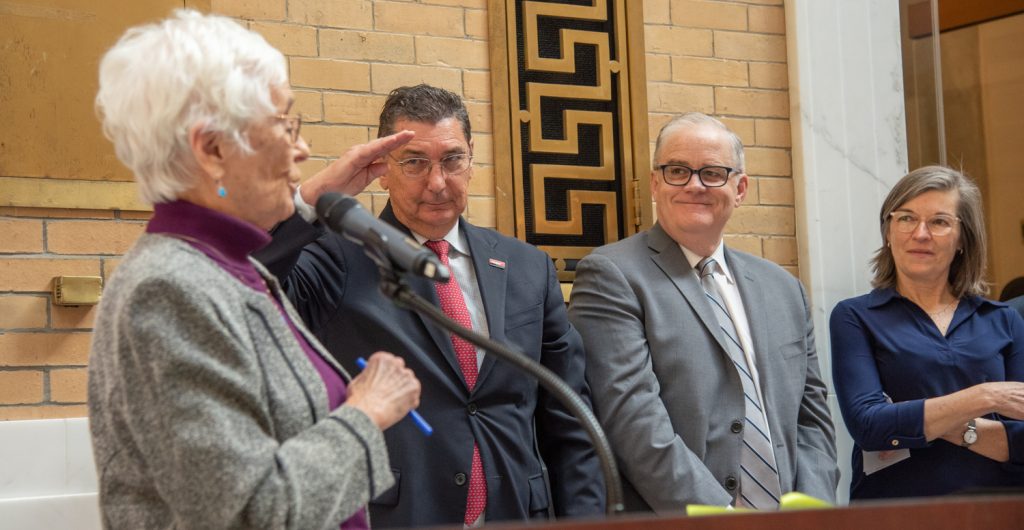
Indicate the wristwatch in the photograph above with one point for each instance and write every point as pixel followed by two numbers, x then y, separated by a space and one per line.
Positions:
pixel 970 435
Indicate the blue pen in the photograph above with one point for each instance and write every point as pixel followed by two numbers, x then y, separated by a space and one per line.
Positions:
pixel 416 418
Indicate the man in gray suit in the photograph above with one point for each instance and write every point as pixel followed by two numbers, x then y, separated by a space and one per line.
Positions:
pixel 701 358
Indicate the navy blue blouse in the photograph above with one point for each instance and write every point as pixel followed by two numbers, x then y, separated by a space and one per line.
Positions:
pixel 883 342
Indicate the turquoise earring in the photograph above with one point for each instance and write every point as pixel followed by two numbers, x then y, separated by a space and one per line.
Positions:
pixel 221 191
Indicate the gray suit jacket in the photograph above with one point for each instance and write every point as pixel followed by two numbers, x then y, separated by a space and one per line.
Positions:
pixel 205 411
pixel 663 385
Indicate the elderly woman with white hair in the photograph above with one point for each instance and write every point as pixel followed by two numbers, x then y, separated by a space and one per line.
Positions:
pixel 211 405
pixel 927 371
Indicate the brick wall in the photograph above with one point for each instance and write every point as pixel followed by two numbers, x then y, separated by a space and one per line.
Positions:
pixel 728 59
pixel 725 58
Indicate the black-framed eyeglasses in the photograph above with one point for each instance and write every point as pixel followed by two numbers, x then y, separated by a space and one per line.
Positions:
pixel 417 167
pixel 709 176
pixel 937 225
pixel 292 124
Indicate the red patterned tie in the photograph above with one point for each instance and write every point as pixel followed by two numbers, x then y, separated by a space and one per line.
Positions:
pixel 454 305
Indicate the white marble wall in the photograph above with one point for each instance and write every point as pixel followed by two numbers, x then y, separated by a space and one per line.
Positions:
pixel 849 148
pixel 47 476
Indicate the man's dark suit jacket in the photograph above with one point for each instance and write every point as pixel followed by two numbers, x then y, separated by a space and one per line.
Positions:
pixel 518 426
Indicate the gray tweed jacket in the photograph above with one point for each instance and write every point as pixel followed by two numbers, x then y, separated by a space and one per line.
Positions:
pixel 205 411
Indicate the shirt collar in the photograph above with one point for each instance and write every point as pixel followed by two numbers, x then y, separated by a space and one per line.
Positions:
pixel 454 237
pixel 719 254
pixel 880 297
pixel 232 237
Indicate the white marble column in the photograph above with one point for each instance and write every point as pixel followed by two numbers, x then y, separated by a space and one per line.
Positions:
pixel 849 148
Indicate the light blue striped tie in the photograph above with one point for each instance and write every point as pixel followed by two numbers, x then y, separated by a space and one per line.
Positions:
pixel 759 483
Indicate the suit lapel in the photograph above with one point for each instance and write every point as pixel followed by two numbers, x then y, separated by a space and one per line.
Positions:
pixel 425 289
pixel 491 282
pixel 670 259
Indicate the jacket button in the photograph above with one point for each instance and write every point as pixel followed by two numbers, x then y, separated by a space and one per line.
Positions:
pixel 731 483
pixel 460 479
pixel 737 426
pixel 895 443
pixel 471 408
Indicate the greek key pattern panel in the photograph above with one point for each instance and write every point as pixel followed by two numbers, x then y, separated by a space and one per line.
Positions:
pixel 575 184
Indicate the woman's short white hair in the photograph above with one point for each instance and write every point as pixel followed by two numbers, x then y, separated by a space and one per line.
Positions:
pixel 161 79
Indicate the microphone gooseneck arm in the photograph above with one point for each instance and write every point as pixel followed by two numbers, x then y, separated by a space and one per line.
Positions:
pixel 392 285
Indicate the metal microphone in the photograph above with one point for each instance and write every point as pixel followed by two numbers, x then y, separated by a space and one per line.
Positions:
pixel 343 214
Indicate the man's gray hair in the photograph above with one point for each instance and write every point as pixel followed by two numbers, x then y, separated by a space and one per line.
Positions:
pixel 966 273
pixel 423 104
pixel 694 119
pixel 162 79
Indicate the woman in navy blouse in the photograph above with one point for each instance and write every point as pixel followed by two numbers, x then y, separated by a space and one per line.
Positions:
pixel 923 362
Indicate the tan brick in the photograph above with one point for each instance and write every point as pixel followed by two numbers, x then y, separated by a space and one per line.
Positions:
pixel 750 46
pixel 769 75
pixel 480 117
pixel 702 71
pixel 781 250
pixel 481 212
pixel 20 235
pixel 109 265
pixel 477 24
pixel 777 191
pixel 483 149
pixel 308 103
pixel 765 2
pixel 677 99
pixel 418 19
pixel 794 270
pixel 21 312
pixel 358 109
pixel 131 215
pixel 43 412
pixel 714 15
pixel 332 140
pixel 753 195
pixel 367 46
pixel 72 317
pixel 387 77
pixel 329 73
pixel 36 274
pixel 69 385
pixel 482 182
pixel 743 127
pixel 748 244
pixel 21 387
pixel 765 19
pixel 476 85
pixel 311 166
pixel 766 220
pixel 657 12
pixel 356 14
pixel 378 201
pixel 48 213
pixel 92 237
pixel 768 161
pixel 44 349
pixel 750 102
pixel 773 133
pixel 460 53
pixel 250 9
pixel 477 4
pixel 678 41
pixel 659 67
pixel 291 39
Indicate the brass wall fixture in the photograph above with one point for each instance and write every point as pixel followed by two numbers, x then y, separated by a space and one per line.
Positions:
pixel 77 290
